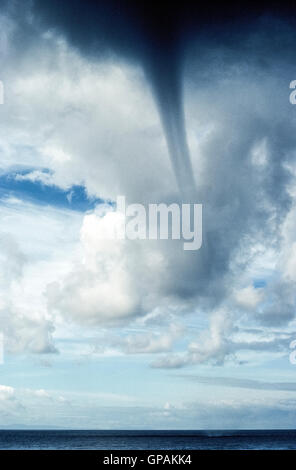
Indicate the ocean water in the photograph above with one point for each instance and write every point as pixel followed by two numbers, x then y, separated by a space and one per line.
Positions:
pixel 148 440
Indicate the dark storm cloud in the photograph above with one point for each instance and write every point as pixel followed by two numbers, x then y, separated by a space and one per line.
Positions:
pixel 155 34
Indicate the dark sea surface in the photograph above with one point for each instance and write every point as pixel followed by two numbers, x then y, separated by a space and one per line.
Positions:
pixel 151 440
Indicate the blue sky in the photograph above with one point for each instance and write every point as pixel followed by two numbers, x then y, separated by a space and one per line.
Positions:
pixel 141 334
pixel 16 184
